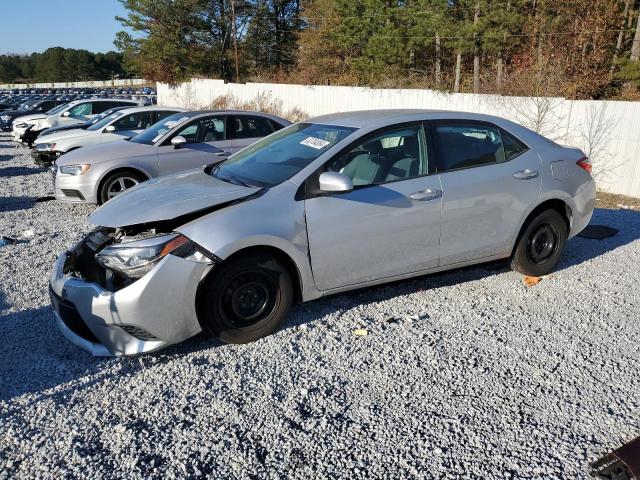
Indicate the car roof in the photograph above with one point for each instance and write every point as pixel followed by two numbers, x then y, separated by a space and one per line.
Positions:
pixel 240 112
pixel 367 118
pixel 150 108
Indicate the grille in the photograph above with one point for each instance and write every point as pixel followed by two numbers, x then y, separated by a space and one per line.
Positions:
pixel 72 193
pixel 138 332
pixel 71 318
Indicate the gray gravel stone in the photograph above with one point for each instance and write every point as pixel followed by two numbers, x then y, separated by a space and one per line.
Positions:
pixel 467 374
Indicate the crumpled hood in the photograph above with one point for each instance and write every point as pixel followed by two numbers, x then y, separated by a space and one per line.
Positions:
pixel 103 152
pixel 64 135
pixel 30 118
pixel 166 198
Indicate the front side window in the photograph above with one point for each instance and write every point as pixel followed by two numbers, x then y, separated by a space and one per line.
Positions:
pixel 280 156
pixel 465 145
pixel 80 110
pixel 245 126
pixel 159 129
pixel 396 154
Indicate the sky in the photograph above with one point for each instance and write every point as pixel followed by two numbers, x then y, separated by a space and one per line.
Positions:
pixel 28 26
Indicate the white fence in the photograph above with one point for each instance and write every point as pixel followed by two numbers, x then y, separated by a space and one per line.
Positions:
pixel 125 82
pixel 608 131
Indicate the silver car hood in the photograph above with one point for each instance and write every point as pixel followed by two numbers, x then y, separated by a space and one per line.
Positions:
pixel 166 198
pixel 64 135
pixel 103 152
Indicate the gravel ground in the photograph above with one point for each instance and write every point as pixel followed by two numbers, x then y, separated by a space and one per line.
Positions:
pixel 468 374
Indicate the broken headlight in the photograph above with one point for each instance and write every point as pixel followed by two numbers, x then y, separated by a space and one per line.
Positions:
pixel 134 259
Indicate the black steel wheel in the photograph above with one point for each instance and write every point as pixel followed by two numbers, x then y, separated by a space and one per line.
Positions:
pixel 540 244
pixel 244 298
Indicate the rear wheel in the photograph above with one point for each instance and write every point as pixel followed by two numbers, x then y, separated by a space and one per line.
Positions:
pixel 245 298
pixel 117 183
pixel 541 244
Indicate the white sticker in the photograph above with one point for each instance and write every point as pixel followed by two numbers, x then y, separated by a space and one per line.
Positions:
pixel 171 123
pixel 314 142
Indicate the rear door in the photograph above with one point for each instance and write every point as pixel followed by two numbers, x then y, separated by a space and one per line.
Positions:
pixel 206 144
pixel 489 180
pixel 247 129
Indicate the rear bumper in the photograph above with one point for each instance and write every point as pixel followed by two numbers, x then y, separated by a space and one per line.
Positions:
pixel 585 202
pixel 153 312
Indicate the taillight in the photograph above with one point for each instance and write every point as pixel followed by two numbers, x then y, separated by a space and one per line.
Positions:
pixel 585 164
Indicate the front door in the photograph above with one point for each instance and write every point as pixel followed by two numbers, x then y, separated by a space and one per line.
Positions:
pixel 489 180
pixel 206 144
pixel 389 224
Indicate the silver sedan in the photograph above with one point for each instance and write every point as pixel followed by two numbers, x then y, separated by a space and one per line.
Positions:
pixel 333 204
pixel 97 173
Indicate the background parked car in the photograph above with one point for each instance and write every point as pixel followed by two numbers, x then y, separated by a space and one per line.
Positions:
pixel 37 106
pixel 119 125
pixel 27 128
pixel 185 140
pixel 82 126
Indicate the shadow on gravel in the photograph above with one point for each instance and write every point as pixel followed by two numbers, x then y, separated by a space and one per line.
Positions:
pixel 4 157
pixel 579 250
pixel 9 204
pixel 7 145
pixel 19 171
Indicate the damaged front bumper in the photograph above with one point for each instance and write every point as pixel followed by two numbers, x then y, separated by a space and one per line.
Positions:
pixel 152 312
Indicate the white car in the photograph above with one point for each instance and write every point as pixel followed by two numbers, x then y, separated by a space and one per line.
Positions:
pixel 120 125
pixel 26 129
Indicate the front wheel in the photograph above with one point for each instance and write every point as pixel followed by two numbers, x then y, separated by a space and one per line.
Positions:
pixel 245 298
pixel 117 183
pixel 540 245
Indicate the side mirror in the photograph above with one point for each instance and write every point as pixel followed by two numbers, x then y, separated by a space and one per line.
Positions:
pixel 66 114
pixel 178 141
pixel 110 129
pixel 335 182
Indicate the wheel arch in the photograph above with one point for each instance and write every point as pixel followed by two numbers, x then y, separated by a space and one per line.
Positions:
pixel 281 256
pixel 557 204
pixel 122 169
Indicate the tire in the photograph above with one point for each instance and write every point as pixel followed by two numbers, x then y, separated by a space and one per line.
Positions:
pixel 112 185
pixel 245 298
pixel 540 244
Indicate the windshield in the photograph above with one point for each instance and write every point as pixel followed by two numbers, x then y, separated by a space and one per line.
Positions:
pixel 104 121
pixel 152 134
pixel 56 109
pixel 281 155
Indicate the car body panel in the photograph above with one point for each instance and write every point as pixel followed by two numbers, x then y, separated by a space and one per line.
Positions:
pixel 167 197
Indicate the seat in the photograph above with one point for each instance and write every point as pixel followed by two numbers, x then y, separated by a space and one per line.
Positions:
pixel 365 167
pixel 408 163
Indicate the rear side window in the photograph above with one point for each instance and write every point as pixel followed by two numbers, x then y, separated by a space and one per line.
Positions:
pixel 465 145
pixel 100 107
pixel 512 146
pixel 245 126
pixel 162 114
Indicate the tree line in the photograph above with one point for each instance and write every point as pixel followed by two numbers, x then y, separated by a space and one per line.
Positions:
pixel 573 48
pixel 60 65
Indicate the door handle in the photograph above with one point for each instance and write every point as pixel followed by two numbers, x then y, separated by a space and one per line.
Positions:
pixel 426 195
pixel 526 174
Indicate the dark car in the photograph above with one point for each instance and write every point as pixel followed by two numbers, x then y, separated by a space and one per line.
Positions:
pixel 27 108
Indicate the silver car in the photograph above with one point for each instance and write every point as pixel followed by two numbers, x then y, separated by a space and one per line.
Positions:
pixel 334 204
pixel 185 140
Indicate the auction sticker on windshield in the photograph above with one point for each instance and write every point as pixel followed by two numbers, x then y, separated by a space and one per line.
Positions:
pixel 314 142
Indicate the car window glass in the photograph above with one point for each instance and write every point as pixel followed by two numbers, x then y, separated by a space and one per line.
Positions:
pixel 211 129
pixel 163 114
pixel 245 126
pixel 102 121
pixel 81 109
pixel 276 158
pixel 134 121
pixel 99 107
pixel 464 145
pixel 512 146
pixel 386 157
pixel 189 132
